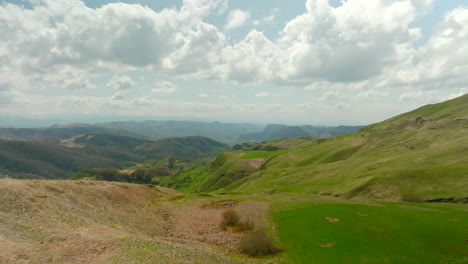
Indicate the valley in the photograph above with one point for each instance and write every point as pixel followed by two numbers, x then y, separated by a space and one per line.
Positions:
pixel 232 132
pixel 392 192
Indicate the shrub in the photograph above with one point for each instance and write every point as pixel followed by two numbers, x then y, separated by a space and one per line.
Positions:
pixel 245 225
pixel 258 243
pixel 412 197
pixel 230 218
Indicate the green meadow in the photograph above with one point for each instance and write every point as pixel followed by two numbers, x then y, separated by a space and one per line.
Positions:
pixel 384 232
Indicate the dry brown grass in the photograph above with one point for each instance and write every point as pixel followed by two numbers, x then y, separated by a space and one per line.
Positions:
pixel 92 222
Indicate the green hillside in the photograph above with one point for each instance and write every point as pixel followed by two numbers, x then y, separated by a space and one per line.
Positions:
pixel 419 155
pixel 61 158
pixel 195 148
pixel 35 159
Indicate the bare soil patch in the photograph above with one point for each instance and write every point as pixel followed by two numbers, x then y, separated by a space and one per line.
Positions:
pixel 254 163
pixel 202 224
pixel 331 219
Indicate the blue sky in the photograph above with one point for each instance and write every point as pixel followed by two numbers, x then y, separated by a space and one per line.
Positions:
pixel 295 62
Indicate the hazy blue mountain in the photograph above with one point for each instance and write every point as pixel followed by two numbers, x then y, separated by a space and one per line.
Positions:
pixel 59 131
pixel 272 132
pixel 224 132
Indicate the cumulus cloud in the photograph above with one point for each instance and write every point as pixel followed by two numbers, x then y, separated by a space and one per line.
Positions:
pixel 352 42
pixel 441 63
pixel 122 82
pixel 78 83
pixel 114 37
pixel 349 43
pixel 119 95
pixel 361 50
pixel 198 56
pixel 164 88
pixel 237 18
pixel 248 60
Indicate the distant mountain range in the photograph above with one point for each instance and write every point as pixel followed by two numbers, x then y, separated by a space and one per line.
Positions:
pixel 229 133
pixel 272 132
pixel 59 131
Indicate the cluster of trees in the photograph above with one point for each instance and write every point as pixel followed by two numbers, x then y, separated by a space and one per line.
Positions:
pixel 141 176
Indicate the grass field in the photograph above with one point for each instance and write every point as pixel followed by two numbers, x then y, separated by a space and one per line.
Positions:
pixel 379 233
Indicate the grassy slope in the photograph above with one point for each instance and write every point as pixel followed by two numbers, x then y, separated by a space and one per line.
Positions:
pixel 388 160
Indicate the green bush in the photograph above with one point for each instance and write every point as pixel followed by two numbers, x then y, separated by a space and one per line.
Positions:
pixel 258 243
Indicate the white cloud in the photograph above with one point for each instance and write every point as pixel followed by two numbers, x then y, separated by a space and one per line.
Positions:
pixel 267 94
pixel 248 60
pixel 203 95
pixel 198 57
pixel 122 82
pixel 441 63
pixel 116 37
pixel 417 96
pixel 262 94
pixel 164 88
pixel 359 50
pixel 78 83
pixel 268 19
pixel 329 95
pixel 11 97
pixel 352 42
pixel 237 18
pixel 119 95
pixel 371 95
pixel 325 85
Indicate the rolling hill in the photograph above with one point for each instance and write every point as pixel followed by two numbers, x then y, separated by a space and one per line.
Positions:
pixel 419 155
pixel 62 158
pixel 36 159
pixel 194 148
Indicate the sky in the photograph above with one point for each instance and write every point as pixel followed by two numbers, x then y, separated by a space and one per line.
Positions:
pixel 318 62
